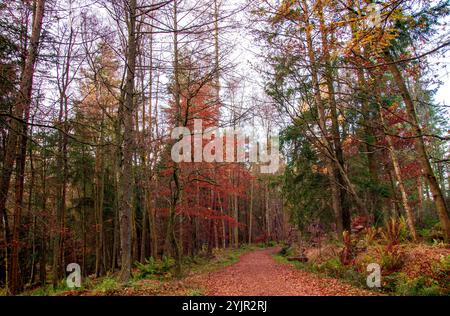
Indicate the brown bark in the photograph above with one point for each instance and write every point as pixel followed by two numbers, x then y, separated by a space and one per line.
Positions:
pixel 126 174
pixel 344 211
pixel 367 123
pixel 31 213
pixel 419 198
pixel 62 163
pixel 43 235
pixel 236 217
pixel 267 211
pixel 250 219
pixel 149 198
pixel 18 137
pixel 152 226
pixel 224 232
pixel 16 283
pixel 175 182
pixel 99 190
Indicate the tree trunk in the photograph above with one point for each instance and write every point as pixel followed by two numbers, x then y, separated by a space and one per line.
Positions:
pixel 331 165
pixel 409 212
pixel 43 235
pixel 419 144
pixel 18 136
pixel 31 212
pixel 267 211
pixel 250 219
pixel 99 188
pixel 419 199
pixel 236 217
pixel 343 207
pixel 175 182
pixel 16 283
pixel 126 175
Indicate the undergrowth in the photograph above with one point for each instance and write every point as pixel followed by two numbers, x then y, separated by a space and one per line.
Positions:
pixel 161 270
pixel 393 283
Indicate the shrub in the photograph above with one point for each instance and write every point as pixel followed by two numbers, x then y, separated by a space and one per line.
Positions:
pixel 437 243
pixel 370 235
pixel 347 252
pixel 332 267
pixel 404 232
pixel 107 284
pixel 441 272
pixel 444 265
pixel 400 284
pixel 432 232
pixel 286 251
pixel 421 286
pixel 355 277
pixel 425 233
pixel 389 282
pixel 392 258
pixel 393 231
pixel 153 267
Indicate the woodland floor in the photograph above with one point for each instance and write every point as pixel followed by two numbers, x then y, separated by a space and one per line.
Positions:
pixel 255 274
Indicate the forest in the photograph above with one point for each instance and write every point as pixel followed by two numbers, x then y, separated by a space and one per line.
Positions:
pixel 344 163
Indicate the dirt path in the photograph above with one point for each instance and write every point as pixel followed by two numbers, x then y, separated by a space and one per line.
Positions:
pixel 258 274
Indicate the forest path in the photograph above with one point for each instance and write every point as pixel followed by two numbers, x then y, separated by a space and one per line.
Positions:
pixel 258 274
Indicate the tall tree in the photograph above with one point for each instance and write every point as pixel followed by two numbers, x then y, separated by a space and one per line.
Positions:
pixel 17 140
pixel 126 116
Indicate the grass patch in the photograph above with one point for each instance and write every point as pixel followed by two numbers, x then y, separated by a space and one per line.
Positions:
pixel 222 258
pixel 106 285
pixel 151 268
pixel 50 290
